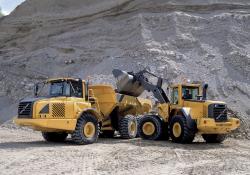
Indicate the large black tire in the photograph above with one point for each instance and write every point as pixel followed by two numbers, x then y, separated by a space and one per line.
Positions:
pixel 214 138
pixel 128 127
pixel 54 136
pixel 107 134
pixel 150 127
pixel 185 134
pixel 87 130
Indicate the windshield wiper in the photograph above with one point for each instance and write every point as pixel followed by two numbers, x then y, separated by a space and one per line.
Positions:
pixel 72 88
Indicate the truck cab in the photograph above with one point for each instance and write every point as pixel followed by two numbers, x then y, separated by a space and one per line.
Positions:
pixel 56 108
pixel 61 98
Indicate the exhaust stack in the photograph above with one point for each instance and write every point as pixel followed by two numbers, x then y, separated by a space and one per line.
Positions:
pixel 204 91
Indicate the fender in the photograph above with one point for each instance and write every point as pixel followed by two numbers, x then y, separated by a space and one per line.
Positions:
pixel 190 122
pixel 93 112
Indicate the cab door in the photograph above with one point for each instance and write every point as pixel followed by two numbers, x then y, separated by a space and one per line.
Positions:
pixel 195 105
pixel 175 97
pixel 74 98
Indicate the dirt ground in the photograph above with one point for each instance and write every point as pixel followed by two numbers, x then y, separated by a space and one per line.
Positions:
pixel 25 152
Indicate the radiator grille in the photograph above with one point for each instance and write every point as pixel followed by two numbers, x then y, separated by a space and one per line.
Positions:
pixel 25 110
pixel 218 112
pixel 58 110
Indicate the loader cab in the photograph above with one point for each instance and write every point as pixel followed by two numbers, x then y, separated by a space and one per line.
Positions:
pixel 185 92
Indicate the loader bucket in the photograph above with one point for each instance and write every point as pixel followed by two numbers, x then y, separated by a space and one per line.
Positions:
pixel 126 83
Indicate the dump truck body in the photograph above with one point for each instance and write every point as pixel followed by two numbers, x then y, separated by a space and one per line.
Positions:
pixel 113 106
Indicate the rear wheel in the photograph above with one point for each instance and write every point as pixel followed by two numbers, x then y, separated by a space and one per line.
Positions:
pixel 179 131
pixel 54 136
pixel 214 138
pixel 87 130
pixel 150 128
pixel 128 127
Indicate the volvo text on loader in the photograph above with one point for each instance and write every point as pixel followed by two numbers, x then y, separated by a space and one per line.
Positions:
pixel 71 106
pixel 186 114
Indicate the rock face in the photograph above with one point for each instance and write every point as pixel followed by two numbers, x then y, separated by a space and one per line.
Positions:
pixel 205 41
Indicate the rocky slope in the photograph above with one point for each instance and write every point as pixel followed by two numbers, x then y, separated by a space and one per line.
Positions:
pixel 206 41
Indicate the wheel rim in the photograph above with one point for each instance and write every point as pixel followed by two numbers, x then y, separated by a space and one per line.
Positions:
pixel 177 129
pixel 89 130
pixel 132 128
pixel 148 128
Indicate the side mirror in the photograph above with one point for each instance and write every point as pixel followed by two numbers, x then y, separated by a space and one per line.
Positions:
pixel 36 90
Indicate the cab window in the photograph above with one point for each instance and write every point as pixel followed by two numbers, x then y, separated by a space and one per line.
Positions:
pixel 66 88
pixel 175 96
pixel 56 89
pixel 190 93
pixel 76 89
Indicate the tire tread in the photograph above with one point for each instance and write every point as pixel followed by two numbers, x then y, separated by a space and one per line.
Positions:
pixel 188 133
pixel 78 136
pixel 157 123
pixel 123 126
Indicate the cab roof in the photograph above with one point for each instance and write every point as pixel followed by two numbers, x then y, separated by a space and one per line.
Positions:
pixel 63 79
pixel 185 84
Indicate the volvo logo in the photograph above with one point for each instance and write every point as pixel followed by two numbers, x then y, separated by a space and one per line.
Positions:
pixel 24 108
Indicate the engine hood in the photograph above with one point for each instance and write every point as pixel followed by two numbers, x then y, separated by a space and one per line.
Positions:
pixel 208 102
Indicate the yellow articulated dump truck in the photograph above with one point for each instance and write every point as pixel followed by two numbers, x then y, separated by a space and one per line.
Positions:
pixel 71 106
pixel 187 113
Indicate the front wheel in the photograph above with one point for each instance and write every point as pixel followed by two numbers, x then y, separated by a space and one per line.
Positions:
pixel 87 130
pixel 179 131
pixel 150 127
pixel 214 138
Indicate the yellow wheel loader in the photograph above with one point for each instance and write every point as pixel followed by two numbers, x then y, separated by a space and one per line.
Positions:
pixel 187 113
pixel 71 106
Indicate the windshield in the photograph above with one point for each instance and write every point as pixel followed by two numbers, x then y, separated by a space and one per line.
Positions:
pixel 190 93
pixel 56 89
pixel 60 88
